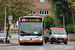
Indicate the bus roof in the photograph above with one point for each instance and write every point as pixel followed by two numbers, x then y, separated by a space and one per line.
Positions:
pixel 56 28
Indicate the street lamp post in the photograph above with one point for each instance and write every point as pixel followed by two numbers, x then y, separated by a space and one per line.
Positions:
pixel 63 20
pixel 5 21
pixel 54 5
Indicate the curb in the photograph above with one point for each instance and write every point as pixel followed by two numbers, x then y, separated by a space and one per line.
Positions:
pixel 10 44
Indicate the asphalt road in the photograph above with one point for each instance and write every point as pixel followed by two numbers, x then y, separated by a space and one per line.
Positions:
pixel 47 46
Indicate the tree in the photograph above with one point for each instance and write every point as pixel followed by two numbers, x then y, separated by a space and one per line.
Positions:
pixel 71 4
pixel 69 28
pixel 17 9
pixel 63 7
pixel 48 20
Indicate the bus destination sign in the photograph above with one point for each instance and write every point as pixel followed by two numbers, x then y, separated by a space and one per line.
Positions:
pixel 31 19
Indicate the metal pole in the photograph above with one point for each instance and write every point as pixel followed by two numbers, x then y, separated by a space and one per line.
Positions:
pixel 5 25
pixel 10 33
pixel 63 21
pixel 54 6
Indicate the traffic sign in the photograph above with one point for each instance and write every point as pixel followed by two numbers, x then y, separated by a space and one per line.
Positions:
pixel 10 18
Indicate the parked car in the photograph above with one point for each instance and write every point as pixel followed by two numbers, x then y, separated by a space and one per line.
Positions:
pixel 2 37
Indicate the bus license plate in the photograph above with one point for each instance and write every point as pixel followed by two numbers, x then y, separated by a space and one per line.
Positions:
pixel 30 41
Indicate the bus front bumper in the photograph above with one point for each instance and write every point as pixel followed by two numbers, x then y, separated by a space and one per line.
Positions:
pixel 30 41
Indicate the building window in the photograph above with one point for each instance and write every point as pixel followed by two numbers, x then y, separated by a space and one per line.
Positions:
pixel 30 13
pixel 43 12
pixel 42 0
pixel 33 13
pixel 40 12
pixel 47 12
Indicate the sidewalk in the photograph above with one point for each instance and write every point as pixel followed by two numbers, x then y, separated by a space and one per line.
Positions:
pixel 7 44
pixel 71 42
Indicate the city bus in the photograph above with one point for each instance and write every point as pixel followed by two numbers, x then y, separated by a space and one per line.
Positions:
pixel 31 29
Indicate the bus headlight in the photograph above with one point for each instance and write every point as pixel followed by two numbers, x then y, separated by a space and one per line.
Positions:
pixel 21 38
pixel 40 38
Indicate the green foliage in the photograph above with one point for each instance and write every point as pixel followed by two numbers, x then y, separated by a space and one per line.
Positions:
pixel 47 31
pixel 62 7
pixel 57 23
pixel 70 28
pixel 17 9
pixel 48 19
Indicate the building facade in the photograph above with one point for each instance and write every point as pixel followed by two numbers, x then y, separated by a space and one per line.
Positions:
pixel 42 7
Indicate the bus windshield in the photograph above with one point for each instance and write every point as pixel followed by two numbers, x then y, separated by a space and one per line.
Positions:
pixel 31 28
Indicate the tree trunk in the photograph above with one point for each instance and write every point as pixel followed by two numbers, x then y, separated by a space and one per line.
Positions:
pixel 7 32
